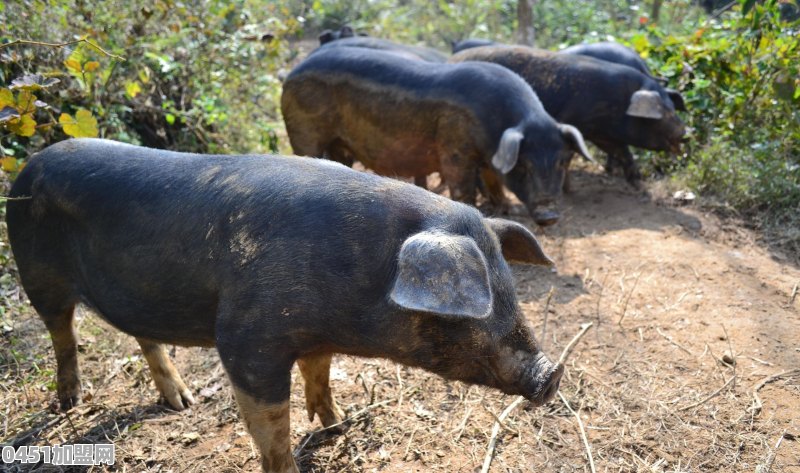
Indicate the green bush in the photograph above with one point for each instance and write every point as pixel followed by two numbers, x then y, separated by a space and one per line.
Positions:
pixel 195 76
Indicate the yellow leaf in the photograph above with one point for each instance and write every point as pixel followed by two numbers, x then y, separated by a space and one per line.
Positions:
pixel 23 126
pixel 7 99
pixel 91 66
pixel 9 164
pixel 82 125
pixel 132 89
pixel 26 102
pixel 73 65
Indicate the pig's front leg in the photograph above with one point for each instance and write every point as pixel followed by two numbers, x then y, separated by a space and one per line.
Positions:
pixel 268 423
pixel 319 399
pixel 259 368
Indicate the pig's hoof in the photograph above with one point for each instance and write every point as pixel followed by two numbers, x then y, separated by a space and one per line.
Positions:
pixel 69 395
pixel 175 393
pixel 67 402
pixel 331 415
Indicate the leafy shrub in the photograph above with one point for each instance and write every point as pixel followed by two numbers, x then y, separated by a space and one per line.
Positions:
pixel 195 76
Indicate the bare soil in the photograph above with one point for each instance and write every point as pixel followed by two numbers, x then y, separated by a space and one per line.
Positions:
pixel 669 292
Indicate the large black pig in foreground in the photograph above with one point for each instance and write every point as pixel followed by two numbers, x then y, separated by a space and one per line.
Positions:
pixel 273 261
pixel 405 117
pixel 614 106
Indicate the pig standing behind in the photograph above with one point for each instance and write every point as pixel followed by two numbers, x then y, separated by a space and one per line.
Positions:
pixel 402 117
pixel 273 261
pixel 614 106
pixel 619 54
pixel 420 52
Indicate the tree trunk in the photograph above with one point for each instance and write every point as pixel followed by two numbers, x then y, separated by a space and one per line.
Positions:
pixel 656 10
pixel 525 30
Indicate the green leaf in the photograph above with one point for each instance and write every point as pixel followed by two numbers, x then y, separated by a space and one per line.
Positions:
pixel 170 118
pixel 82 125
pixel 747 5
pixel 33 82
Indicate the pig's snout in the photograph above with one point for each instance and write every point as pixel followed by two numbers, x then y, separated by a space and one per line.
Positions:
pixel 545 217
pixel 548 379
pixel 544 209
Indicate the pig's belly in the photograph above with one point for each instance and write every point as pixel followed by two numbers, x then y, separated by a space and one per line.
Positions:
pixel 167 302
pixel 404 155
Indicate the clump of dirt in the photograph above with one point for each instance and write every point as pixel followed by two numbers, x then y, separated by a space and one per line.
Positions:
pixel 691 364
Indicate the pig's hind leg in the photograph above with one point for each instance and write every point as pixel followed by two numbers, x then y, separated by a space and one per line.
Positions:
pixel 65 343
pixel 168 381
pixel 52 298
pixel 319 399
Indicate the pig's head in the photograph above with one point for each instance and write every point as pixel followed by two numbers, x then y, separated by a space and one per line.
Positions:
pixel 534 161
pixel 651 121
pixel 463 314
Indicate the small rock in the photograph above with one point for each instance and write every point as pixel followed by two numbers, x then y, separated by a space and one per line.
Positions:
pixel 190 437
pixel 684 196
pixel 728 358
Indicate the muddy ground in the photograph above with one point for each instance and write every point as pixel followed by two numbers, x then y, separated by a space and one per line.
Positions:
pixel 669 291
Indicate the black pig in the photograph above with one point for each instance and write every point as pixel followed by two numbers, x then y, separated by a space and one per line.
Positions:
pixel 273 260
pixel 412 52
pixel 617 53
pixel 404 117
pixel 614 106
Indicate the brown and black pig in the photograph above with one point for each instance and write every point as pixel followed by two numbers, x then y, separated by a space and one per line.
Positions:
pixel 613 105
pixel 402 117
pixel 272 260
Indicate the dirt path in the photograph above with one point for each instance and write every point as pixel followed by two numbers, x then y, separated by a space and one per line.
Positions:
pixel 668 290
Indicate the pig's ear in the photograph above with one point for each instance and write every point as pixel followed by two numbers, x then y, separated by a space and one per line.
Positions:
pixel 519 245
pixel 443 274
pixel 325 37
pixel 646 104
pixel 507 152
pixel 677 99
pixel 574 138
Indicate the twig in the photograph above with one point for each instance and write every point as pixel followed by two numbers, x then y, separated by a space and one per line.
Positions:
pixel 773 455
pixel 627 299
pixel 546 311
pixel 4 198
pixel 583 431
pixel 352 417
pixel 571 344
pixel 757 404
pixel 794 293
pixel 669 339
pixel 710 396
pixel 600 296
pixel 61 45
pixel 487 460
